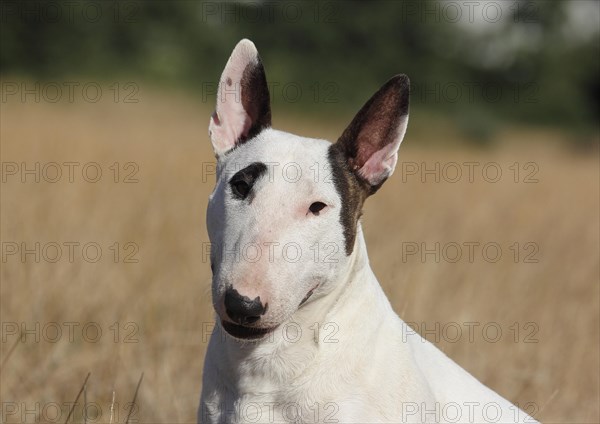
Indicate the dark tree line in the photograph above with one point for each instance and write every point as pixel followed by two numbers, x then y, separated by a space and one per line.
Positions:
pixel 323 52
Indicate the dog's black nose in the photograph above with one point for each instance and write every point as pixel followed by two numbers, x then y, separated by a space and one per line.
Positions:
pixel 241 309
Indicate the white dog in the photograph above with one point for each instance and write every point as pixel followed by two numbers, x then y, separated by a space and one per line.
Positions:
pixel 304 332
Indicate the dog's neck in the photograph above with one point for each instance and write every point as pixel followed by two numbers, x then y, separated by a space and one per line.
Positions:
pixel 311 332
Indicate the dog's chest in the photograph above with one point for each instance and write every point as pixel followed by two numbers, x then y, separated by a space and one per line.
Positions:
pixel 337 387
pixel 303 403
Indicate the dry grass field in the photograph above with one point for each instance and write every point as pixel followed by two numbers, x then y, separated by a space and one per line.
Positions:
pixel 525 322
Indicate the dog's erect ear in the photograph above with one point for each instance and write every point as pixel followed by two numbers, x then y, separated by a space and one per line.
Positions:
pixel 243 105
pixel 371 141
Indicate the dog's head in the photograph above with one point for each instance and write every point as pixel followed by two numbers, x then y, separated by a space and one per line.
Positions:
pixel 283 217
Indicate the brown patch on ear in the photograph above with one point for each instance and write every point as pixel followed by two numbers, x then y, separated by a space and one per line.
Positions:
pixel 376 124
pixel 352 191
pixel 255 99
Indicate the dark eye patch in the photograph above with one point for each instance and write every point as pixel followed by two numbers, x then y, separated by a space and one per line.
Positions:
pixel 242 182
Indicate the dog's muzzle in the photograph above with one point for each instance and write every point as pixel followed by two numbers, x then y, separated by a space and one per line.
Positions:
pixel 246 312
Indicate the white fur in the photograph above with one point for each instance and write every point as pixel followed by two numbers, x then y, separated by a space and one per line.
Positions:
pixel 343 356
pixel 355 360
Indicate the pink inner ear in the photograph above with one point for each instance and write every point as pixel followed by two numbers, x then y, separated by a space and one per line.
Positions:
pixel 227 125
pixel 380 165
pixel 382 162
pixel 231 121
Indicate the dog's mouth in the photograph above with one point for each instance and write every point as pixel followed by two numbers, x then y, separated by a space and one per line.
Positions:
pixel 245 333
pixel 308 295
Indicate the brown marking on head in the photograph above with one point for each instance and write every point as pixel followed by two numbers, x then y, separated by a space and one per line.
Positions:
pixel 256 99
pixel 352 191
pixel 372 138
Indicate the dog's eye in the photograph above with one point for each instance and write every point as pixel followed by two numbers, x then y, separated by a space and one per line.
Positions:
pixel 240 188
pixel 243 181
pixel 317 207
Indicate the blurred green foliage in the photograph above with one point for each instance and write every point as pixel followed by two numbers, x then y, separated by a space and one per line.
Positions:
pixel 528 66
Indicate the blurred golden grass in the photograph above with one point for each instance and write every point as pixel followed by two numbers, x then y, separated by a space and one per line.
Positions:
pixel 166 294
